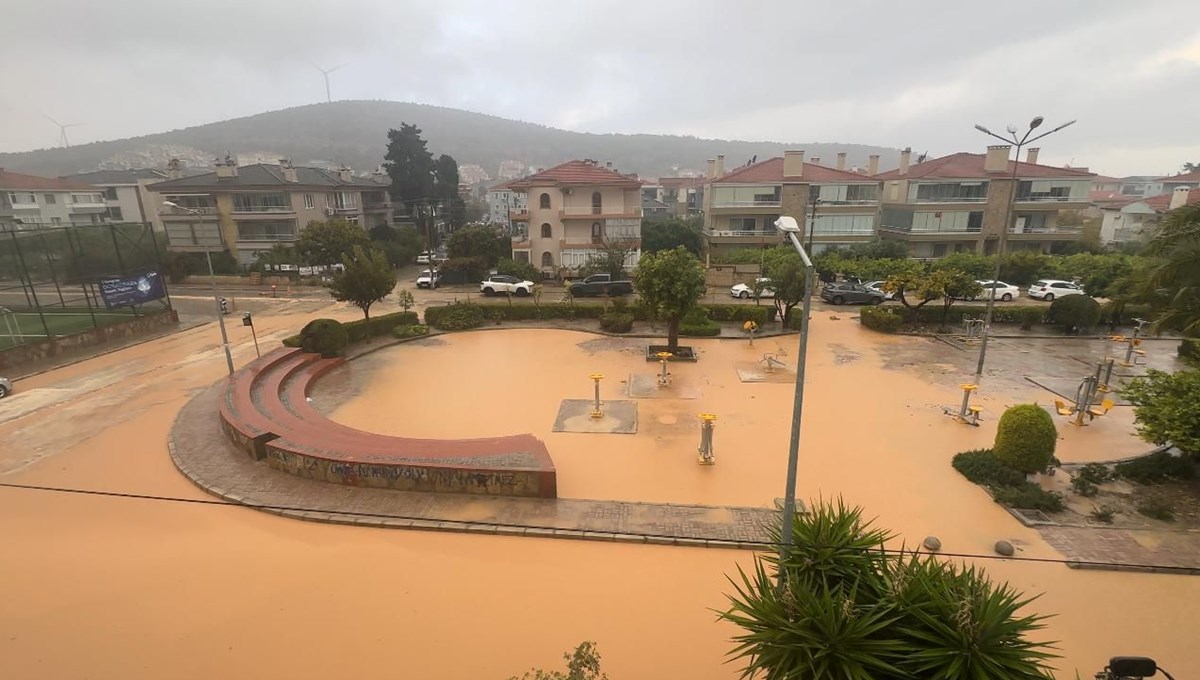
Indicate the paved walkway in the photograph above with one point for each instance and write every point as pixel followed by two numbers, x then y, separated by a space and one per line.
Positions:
pixel 1114 549
pixel 201 452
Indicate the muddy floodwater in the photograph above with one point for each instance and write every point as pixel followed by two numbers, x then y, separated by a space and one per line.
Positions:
pixel 102 587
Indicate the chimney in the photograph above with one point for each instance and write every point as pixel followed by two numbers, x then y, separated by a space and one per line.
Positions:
pixel 608 165
pixel 712 168
pixel 793 163
pixel 873 164
pixel 289 171
pixel 720 164
pixel 841 162
pixel 174 169
pixel 905 156
pixel 997 158
pixel 1179 197
pixel 1032 155
pixel 226 168
pixel 816 160
pixel 345 174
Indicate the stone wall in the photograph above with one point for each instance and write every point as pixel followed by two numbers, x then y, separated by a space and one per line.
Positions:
pixel 121 330
pixel 719 275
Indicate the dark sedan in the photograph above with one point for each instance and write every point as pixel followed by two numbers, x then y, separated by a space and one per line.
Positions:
pixel 850 293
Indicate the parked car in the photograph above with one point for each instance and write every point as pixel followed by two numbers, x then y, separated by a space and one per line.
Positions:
pixel 425 257
pixel 1048 289
pixel 499 284
pixel 852 293
pixel 428 278
pixel 5 387
pixel 877 286
pixel 999 290
pixel 601 284
pixel 743 292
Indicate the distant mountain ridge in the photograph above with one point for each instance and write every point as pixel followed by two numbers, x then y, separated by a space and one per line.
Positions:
pixel 355 133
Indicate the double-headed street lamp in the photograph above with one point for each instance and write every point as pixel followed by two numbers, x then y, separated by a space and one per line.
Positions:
pixel 216 295
pixel 1008 218
pixel 788 226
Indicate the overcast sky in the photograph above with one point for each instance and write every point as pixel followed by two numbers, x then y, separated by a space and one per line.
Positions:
pixel 891 73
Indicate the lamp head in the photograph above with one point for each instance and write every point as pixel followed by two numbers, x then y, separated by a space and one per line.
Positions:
pixel 170 204
pixel 1037 120
pixel 787 224
pixel 982 129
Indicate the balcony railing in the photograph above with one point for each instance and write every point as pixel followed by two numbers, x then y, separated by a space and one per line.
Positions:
pixel 949 229
pixel 377 205
pixel 600 212
pixel 521 215
pixel 773 203
pixel 187 212
pixel 742 233
pixel 263 209
pixel 266 236
pixel 1057 229
pixel 1050 199
pixel 345 208
pixel 952 199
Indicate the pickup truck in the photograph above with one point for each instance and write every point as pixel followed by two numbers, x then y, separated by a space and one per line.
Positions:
pixel 600 284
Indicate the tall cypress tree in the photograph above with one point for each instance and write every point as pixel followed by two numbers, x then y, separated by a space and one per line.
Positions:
pixel 411 168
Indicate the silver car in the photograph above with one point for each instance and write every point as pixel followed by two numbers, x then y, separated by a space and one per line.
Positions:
pixel 5 387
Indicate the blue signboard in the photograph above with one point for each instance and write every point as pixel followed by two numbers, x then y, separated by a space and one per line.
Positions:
pixel 134 290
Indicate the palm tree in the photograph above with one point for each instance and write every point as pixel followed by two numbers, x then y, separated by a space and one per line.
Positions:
pixel 1175 273
pixel 1190 167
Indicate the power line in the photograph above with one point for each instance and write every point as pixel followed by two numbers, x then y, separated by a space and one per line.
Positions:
pixel 352 513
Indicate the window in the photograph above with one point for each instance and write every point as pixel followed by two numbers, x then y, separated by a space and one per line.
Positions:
pixel 110 193
pixel 56 221
pixel 546 231
pixel 597 232
pixel 544 202
pixel 310 201
pixel 597 203
pixel 975 221
pixel 284 230
pixel 87 199
pixel 261 202
pixel 947 192
pixel 743 224
pixel 115 215
pixel 939 249
pixel 51 199
pixel 547 258
pixel 22 199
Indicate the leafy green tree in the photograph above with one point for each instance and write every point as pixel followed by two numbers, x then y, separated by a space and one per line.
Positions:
pixel 879 249
pixel 1174 275
pixel 1074 313
pixel 1022 267
pixel 325 243
pixel 945 284
pixel 445 187
pixel 669 234
pixel 1167 408
pixel 365 279
pixel 976 265
pixel 481 241
pixel 1190 167
pixel 582 664
pixel 522 270
pixel 410 166
pixel 670 282
pixel 787 274
pixel 849 608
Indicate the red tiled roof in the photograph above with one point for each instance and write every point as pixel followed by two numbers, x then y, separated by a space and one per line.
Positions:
pixel 1105 179
pixel 681 182
pixel 1107 197
pixel 1162 202
pixel 503 186
pixel 770 171
pixel 1193 176
pixel 16 180
pixel 964 165
pixel 574 173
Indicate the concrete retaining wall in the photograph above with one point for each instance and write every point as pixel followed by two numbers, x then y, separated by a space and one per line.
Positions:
pixel 121 330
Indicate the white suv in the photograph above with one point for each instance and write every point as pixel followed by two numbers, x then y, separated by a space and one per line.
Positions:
pixel 500 284
pixel 1048 289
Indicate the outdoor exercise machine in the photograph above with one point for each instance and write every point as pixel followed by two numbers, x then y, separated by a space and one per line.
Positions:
pixel 596 413
pixel 972 329
pixel 750 327
pixel 770 362
pixel 1085 396
pixel 1133 344
pixel 967 413
pixel 664 378
pixel 706 438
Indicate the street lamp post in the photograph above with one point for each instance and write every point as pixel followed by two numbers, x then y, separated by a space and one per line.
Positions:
pixel 216 294
pixel 813 202
pixel 1008 218
pixel 788 226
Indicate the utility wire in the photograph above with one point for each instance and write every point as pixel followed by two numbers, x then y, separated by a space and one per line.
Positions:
pixel 352 513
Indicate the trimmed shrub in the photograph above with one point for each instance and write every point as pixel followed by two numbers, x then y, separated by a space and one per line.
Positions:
pixel 616 322
pixel 1096 473
pixel 326 337
pixel 740 313
pixel 1074 313
pixel 364 329
pixel 1156 468
pixel 1189 350
pixel 457 317
pixel 291 341
pixel 1123 315
pixel 411 331
pixel 932 313
pixel 1030 316
pixel 697 324
pixel 982 467
pixel 1025 438
pixel 1028 496
pixel 881 319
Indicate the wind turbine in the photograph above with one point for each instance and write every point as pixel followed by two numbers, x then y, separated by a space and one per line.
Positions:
pixel 62 130
pixel 325 72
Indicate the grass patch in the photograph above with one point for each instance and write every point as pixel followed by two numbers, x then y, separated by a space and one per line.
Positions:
pixel 25 326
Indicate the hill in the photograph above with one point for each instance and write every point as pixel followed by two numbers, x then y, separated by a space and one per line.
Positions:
pixel 354 132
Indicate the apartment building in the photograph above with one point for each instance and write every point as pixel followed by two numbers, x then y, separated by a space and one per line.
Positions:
pixel 684 196
pixel 1136 220
pixel 29 202
pixel 1187 180
pixel 248 210
pixel 574 211
pixel 127 195
pixel 502 202
pixel 957 203
pixel 838 207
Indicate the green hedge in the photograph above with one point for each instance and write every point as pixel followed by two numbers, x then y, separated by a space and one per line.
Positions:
pixel 564 310
pixel 363 329
pixel 881 319
pixel 616 322
pixel 932 313
pixel 459 317
pixel 326 337
pixel 740 314
pixel 413 331
pixel 1189 350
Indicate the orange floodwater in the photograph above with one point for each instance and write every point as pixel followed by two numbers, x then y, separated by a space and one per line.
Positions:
pixel 119 588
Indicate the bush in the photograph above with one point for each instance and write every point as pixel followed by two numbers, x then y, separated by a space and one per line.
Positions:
pixel 739 314
pixel 616 322
pixel 364 329
pixel 1157 508
pixel 522 270
pixel 457 317
pixel 881 319
pixel 411 331
pixel 1103 513
pixel 1074 313
pixel 697 324
pixel 1189 350
pixel 1123 315
pixel 1166 408
pixel 326 337
pixel 982 467
pixel 1096 473
pixel 1029 496
pixel 932 313
pixel 1025 438
pixel 1156 468
pixel 1084 487
pixel 1030 316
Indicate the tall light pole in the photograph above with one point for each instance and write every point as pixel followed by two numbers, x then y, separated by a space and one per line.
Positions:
pixel 788 226
pixel 216 295
pixel 1008 215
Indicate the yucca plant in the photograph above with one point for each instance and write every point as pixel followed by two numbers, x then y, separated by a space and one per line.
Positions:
pixel 846 609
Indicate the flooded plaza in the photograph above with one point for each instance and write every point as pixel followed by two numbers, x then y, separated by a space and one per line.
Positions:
pixel 106 587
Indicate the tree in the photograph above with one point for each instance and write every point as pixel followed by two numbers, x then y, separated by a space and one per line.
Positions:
pixel 1174 275
pixel 522 270
pixel 945 284
pixel 670 282
pixel 582 664
pixel 976 265
pixel 410 166
pixel 326 243
pixel 879 249
pixel 669 234
pixel 480 241
pixel 1074 313
pixel 366 279
pixel 445 188
pixel 1190 167
pixel 1167 408
pixel 850 608
pixel 1022 267
pixel 786 271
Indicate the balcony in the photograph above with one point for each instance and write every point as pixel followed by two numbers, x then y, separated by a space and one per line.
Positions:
pixel 1059 230
pixel 262 209
pixel 1050 199
pixel 521 215
pixel 191 213
pixel 601 212
pixel 343 209
pixel 756 203
pixel 948 230
pixel 377 205
pixel 952 199
pixel 734 236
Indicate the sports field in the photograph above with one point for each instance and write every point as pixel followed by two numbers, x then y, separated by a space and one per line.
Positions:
pixel 21 326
